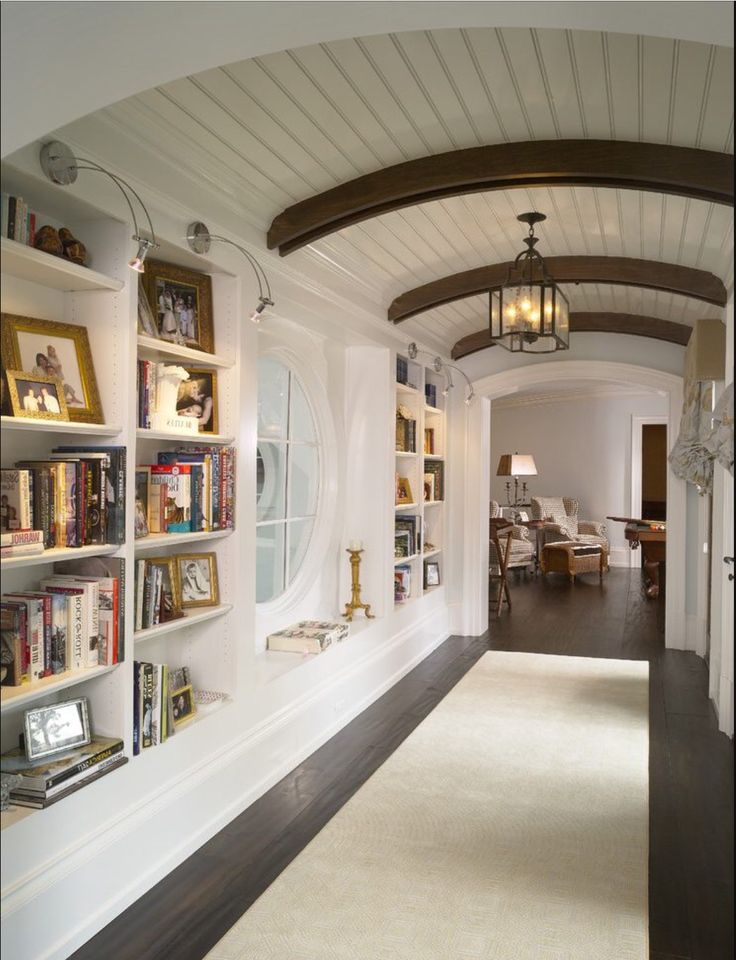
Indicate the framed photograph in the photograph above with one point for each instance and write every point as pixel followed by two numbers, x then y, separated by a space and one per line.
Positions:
pixel 171 606
pixel 429 486
pixel 181 301
pixel 55 728
pixel 431 573
pixel 402 544
pixel 403 490
pixel 60 351
pixel 197 574
pixel 197 398
pixel 140 520
pixel 183 704
pixel 146 319
pixel 37 397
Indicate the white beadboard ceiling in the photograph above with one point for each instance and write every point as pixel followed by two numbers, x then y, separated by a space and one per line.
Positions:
pixel 276 129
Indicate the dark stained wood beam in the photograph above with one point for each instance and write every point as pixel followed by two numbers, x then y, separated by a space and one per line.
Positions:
pixel 630 323
pixel 669 277
pixel 684 171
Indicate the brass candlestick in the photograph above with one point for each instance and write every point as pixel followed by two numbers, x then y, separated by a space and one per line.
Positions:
pixel 355 601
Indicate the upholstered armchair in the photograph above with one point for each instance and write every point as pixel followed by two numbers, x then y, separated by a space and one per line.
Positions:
pixel 561 522
pixel 522 547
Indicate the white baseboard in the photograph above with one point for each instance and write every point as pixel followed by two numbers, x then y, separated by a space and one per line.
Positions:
pixel 622 558
pixel 303 727
pixel 696 634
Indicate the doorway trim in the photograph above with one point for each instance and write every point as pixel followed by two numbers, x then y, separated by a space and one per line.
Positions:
pixel 510 381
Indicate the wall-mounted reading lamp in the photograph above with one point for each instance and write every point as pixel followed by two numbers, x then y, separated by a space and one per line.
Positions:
pixel 61 167
pixel 445 368
pixel 199 238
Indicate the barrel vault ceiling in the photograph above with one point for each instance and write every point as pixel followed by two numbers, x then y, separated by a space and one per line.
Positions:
pixel 281 128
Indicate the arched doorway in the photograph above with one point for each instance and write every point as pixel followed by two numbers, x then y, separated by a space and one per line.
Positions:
pixel 477 467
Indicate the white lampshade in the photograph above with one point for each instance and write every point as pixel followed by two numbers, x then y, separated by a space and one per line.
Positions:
pixel 516 465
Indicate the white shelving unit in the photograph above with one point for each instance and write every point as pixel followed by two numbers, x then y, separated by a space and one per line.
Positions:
pixel 412 465
pixel 104 300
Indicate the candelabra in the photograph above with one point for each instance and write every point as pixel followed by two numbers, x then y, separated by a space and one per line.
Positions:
pixel 356 603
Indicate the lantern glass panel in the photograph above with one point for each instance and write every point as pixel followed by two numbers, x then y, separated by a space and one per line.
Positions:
pixel 495 308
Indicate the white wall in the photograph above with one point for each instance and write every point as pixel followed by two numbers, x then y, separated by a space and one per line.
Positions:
pixel 582 448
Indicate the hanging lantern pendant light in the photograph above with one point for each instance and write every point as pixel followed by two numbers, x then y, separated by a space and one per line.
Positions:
pixel 528 312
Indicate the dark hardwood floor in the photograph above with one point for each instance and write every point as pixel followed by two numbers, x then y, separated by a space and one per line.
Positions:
pixel 691 782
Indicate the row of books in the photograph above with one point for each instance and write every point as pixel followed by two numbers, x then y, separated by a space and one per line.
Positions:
pixel 402 583
pixel 162 699
pixel 18 220
pixel 429 443
pixel 74 620
pixel 44 782
pixel 156 596
pixel 187 490
pixel 406 434
pixel 430 394
pixel 75 497
pixel 402 372
pixel 434 479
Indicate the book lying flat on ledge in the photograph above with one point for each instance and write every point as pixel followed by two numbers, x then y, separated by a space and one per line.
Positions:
pixel 308 636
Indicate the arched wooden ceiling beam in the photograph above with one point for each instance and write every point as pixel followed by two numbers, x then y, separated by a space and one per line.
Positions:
pixel 670 277
pixel 632 323
pixel 687 172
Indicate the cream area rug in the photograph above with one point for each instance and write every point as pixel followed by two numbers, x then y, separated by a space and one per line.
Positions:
pixel 512 824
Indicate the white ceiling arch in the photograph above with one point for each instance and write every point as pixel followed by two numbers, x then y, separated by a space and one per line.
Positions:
pixel 61 61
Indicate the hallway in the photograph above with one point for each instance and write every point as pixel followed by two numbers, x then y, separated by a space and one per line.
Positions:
pixel 691 782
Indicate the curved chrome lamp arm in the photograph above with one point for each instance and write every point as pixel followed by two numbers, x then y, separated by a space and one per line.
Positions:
pixel 441 367
pixel 199 239
pixel 61 166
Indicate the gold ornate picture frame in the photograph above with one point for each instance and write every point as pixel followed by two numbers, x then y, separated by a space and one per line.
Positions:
pixel 184 706
pixel 36 397
pixel 197 574
pixel 46 348
pixel 181 303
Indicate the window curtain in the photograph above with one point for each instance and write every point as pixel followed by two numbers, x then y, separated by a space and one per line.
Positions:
pixel 690 458
pixel 719 442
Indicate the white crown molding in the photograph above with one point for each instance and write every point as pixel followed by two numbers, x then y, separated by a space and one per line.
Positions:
pixel 573 396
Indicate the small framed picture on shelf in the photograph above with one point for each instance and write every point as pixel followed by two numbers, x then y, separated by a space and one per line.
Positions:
pixel 55 728
pixel 37 397
pixel 429 486
pixel 402 544
pixel 403 490
pixel 184 704
pixel 431 573
pixel 197 574
pixel 181 301
pixel 61 351
pixel 197 397
pixel 170 604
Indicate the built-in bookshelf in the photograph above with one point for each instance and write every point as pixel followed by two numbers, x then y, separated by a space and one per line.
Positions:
pixel 103 298
pixel 420 451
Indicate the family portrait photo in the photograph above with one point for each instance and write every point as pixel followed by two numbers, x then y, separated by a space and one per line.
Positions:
pixel 47 350
pixel 180 302
pixel 197 398
pixel 198 579
pixel 183 704
pixel 178 312
pixel 36 397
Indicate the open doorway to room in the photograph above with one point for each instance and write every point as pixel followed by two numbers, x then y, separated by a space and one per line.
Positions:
pixel 654 471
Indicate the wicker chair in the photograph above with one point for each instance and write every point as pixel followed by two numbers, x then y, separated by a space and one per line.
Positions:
pixel 561 522
pixel 522 547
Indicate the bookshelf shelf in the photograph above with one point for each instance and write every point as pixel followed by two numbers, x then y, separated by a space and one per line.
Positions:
pixel 201 439
pixel 433 411
pixel 430 553
pixel 405 388
pixel 59 426
pixel 27 263
pixel 151 347
pixel 433 503
pixel 433 456
pixel 59 553
pixel 155 541
pixel 407 506
pixel 13 698
pixel 188 620
pixel 406 453
pixel 400 560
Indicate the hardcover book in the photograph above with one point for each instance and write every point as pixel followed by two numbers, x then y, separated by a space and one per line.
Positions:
pixel 308 636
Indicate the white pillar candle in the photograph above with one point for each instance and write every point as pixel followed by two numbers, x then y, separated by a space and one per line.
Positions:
pixel 355 545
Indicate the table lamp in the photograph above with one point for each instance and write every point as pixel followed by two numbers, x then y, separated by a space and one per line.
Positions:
pixel 516 465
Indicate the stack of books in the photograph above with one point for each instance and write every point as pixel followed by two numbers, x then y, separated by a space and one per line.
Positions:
pixel 18 221
pixel 406 434
pixel 308 636
pixel 430 394
pixel 44 782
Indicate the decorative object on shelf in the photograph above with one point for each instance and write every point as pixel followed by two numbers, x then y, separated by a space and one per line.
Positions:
pixel 441 366
pixel 58 350
pixel 163 413
pixel 355 549
pixel 8 782
pixel 182 302
pixel 516 465
pixel 197 574
pixel 403 491
pixel 200 238
pixel 197 398
pixel 435 469
pixel 72 249
pixel 146 319
pixel 184 704
pixel 406 430
pixel 431 573
pixel 528 312
pixel 36 397
pixel 308 636
pixel 61 167
pixel 48 240
pixel 429 487
pixel 55 728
